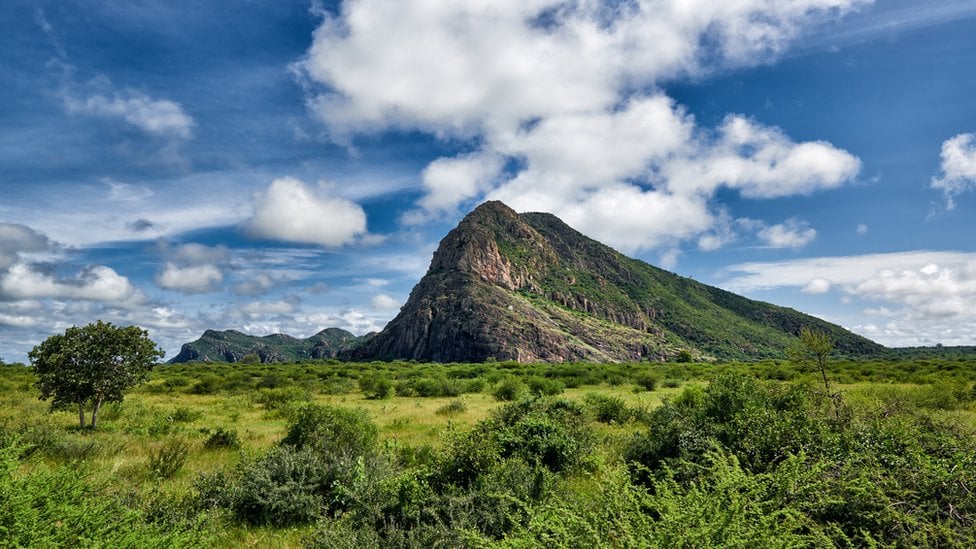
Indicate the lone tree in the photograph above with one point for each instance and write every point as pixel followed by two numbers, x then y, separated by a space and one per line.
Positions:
pixel 812 349
pixel 96 363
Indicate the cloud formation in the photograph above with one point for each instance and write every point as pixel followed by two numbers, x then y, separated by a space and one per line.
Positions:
pixel 958 167
pixel 791 234
pixel 560 103
pixel 160 117
pixel 93 283
pixel 925 297
pixel 191 268
pixel 290 211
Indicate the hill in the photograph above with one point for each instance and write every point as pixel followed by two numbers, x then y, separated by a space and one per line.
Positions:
pixel 528 287
pixel 232 346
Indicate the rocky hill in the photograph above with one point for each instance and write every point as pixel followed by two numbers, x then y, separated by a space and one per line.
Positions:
pixel 527 287
pixel 232 346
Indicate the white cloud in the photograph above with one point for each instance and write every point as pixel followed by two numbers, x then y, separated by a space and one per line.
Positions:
pixel 256 284
pixel 817 286
pixel 559 96
pixel 191 268
pixel 268 307
pixel 862 229
pixel 928 296
pixel 384 302
pixel 94 283
pixel 958 167
pixel 289 211
pixel 792 234
pixel 191 279
pixel 154 116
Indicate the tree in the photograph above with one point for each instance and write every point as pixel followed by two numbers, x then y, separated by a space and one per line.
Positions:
pixel 96 363
pixel 812 348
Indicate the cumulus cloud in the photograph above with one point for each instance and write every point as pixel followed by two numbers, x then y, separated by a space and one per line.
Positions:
pixel 191 268
pixel 958 167
pixel 928 297
pixel 817 286
pixel 190 279
pixel 292 212
pixel 17 239
pixel 257 284
pixel 384 302
pixel 160 117
pixel 94 283
pixel 561 99
pixel 791 234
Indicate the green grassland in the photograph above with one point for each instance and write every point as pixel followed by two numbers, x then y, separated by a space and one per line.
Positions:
pixel 400 454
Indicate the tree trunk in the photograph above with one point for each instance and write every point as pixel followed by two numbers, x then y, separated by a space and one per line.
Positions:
pixel 96 404
pixel 81 413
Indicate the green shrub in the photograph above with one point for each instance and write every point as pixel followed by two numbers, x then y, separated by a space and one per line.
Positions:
pixel 222 438
pixel 182 414
pixel 452 407
pixel 286 486
pixel 168 458
pixel 607 409
pixel 332 429
pixel 647 381
pixel 375 386
pixel 282 399
pixel 509 389
pixel 40 507
pixel 541 386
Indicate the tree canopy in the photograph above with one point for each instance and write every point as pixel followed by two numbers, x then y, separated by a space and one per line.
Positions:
pixel 93 364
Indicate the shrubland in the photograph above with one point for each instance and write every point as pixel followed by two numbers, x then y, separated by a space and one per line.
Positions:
pixel 401 454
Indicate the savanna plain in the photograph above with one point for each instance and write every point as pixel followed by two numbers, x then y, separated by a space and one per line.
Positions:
pixel 502 454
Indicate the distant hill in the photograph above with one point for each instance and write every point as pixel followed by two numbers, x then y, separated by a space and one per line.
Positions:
pixel 528 287
pixel 232 346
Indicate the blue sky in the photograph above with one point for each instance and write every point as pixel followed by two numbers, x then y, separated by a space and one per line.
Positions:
pixel 275 166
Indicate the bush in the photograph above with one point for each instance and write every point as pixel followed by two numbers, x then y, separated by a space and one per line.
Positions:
pixel 286 486
pixel 332 429
pixel 222 438
pixel 550 433
pixel 541 386
pixel 509 389
pixel 452 407
pixel 648 381
pixel 607 409
pixel 168 458
pixel 375 386
pixel 57 508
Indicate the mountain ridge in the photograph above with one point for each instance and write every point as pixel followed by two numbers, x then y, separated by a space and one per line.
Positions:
pixel 528 287
pixel 233 346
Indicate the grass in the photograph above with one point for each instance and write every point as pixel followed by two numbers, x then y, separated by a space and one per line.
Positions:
pixel 166 409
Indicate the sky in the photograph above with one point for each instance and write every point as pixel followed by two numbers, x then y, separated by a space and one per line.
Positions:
pixel 276 166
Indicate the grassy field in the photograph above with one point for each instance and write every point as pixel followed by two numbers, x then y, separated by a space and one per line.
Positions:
pixel 155 451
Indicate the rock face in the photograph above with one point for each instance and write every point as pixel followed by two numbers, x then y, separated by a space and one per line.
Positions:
pixel 232 346
pixel 527 287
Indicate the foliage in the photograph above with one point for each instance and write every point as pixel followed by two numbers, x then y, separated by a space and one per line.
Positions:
pixel 509 389
pixel 57 508
pixel 607 409
pixel 96 363
pixel 456 406
pixel 648 381
pixel 223 438
pixel 168 458
pixel 812 349
pixel 332 429
pixel 375 386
